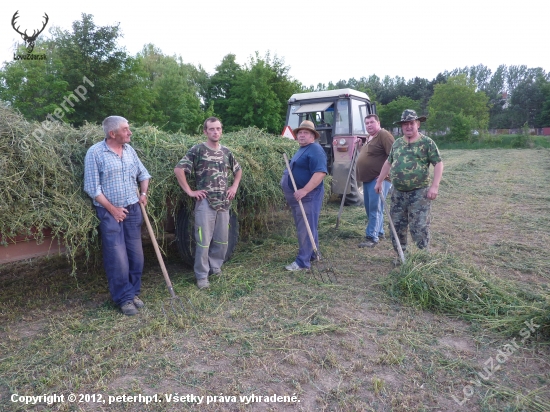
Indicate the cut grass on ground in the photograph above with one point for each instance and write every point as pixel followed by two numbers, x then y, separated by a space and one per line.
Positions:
pixel 348 346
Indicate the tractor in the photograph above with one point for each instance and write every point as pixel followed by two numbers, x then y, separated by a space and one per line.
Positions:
pixel 339 117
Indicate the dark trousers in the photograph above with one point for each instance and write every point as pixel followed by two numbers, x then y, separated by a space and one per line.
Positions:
pixel 122 252
pixel 411 210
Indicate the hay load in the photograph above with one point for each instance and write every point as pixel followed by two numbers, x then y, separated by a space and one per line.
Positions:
pixel 42 170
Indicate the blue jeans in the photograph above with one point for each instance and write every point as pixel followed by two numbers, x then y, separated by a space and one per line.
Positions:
pixel 312 203
pixel 122 252
pixel 374 208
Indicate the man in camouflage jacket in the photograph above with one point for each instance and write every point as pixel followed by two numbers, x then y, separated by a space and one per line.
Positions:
pixel 210 161
pixel 408 165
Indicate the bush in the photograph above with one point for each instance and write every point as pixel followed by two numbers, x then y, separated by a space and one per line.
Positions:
pixel 461 127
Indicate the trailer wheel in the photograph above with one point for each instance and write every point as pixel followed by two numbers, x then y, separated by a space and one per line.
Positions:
pixel 185 223
pixel 355 197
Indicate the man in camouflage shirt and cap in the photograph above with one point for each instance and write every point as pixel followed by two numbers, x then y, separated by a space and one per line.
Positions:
pixel 408 165
pixel 210 161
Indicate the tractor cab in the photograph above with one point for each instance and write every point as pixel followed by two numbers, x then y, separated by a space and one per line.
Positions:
pixel 338 116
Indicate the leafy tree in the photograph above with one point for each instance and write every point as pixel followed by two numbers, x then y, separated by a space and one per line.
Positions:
pixel 528 98
pixel 458 95
pixel 497 93
pixel 544 116
pixel 219 89
pixel 282 84
pixel 258 95
pixel 253 101
pixel 482 76
pixel 516 74
pixel 34 87
pixel 120 84
pixel 419 89
pixel 176 103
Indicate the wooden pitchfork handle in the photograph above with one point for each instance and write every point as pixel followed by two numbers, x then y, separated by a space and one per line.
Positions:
pixel 302 208
pixel 399 249
pixel 157 249
pixel 347 184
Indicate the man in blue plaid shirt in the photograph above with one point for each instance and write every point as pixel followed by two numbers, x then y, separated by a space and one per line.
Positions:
pixel 112 172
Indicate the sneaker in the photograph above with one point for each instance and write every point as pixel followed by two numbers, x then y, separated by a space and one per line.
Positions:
pixel 369 242
pixel 138 303
pixel 293 267
pixel 381 236
pixel 129 309
pixel 203 283
pixel 216 273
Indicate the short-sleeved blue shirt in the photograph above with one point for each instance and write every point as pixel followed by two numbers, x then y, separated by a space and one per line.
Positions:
pixel 306 161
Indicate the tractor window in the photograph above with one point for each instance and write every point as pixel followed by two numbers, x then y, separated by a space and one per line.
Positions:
pixel 325 119
pixel 293 119
pixel 357 117
pixel 342 117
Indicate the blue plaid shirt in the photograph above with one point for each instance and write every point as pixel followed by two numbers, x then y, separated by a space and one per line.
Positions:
pixel 117 178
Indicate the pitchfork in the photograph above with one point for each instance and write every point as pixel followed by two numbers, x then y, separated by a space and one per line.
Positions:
pixel 176 304
pixel 397 242
pixel 318 266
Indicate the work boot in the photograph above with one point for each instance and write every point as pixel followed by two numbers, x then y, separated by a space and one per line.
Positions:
pixel 203 283
pixel 138 303
pixel 129 309
pixel 369 242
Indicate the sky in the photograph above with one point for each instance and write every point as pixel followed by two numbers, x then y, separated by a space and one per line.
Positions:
pixel 320 40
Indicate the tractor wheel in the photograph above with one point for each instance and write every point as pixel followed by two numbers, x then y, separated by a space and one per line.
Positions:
pixel 355 197
pixel 185 223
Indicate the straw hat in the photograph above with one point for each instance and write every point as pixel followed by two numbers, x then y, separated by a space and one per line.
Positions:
pixel 307 125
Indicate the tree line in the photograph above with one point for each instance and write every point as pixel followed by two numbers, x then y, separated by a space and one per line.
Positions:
pixel 154 88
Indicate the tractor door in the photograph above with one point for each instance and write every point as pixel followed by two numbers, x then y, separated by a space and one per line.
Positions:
pixel 366 109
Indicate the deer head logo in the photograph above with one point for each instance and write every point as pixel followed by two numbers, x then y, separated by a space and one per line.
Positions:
pixel 29 40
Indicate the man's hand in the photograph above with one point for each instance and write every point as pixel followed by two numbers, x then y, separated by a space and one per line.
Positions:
pixel 432 192
pixel 119 213
pixel 197 194
pixel 231 192
pixel 143 200
pixel 300 194
pixel 378 186
pixel 438 173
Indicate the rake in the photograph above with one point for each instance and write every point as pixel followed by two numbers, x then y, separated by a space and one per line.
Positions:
pixel 320 268
pixel 175 304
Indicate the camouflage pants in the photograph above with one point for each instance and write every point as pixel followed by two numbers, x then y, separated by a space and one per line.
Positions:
pixel 411 209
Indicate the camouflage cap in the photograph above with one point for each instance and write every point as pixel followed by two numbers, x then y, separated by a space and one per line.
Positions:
pixel 307 125
pixel 409 115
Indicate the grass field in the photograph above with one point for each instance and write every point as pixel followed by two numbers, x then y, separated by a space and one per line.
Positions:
pixel 260 330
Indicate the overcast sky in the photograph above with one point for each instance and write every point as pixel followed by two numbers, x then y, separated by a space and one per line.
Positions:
pixel 320 40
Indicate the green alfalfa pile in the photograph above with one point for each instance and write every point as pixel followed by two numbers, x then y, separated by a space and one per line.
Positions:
pixel 445 284
pixel 42 172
